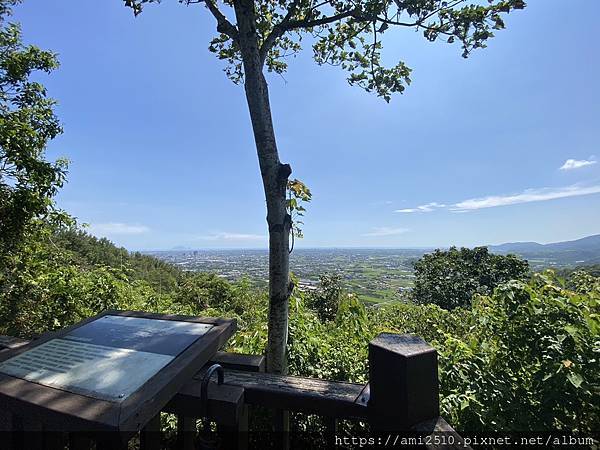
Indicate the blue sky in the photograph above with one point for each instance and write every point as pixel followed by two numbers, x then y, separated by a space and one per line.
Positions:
pixel 162 153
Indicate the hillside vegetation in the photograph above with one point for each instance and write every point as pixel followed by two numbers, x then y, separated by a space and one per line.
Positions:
pixel 521 357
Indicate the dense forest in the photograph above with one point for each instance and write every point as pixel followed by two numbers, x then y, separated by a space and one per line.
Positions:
pixel 518 351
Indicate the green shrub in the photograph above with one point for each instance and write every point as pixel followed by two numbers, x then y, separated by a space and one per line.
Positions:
pixel 531 362
pixel 325 301
pixel 450 278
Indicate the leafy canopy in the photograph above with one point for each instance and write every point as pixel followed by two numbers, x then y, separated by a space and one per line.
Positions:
pixel 450 278
pixel 350 33
pixel 325 301
pixel 27 122
pixel 529 360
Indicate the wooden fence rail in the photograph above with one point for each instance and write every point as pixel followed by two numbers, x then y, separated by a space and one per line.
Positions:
pixel 402 396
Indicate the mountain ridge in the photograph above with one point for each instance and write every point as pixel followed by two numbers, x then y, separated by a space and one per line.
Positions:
pixel 585 250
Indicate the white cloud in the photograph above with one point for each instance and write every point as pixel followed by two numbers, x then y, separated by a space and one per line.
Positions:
pixel 571 164
pixel 423 208
pixel 226 236
pixel 492 201
pixel 116 228
pixel 528 196
pixel 385 231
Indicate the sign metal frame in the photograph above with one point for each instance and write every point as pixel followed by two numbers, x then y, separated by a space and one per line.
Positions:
pixel 60 410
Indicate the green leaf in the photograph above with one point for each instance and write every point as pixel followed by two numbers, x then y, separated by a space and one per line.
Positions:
pixel 575 379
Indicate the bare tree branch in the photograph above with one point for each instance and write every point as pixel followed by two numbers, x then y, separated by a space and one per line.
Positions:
pixel 223 24
pixel 294 24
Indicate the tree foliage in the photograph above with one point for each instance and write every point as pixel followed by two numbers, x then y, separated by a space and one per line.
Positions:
pixel 350 34
pixel 298 194
pixel 523 358
pixel 326 299
pixel 45 286
pixel 90 251
pixel 450 278
pixel 530 361
pixel 27 123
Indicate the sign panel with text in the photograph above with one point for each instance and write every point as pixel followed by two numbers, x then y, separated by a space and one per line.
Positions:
pixel 114 371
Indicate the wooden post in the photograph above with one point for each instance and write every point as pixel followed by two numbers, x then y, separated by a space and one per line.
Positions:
pixel 33 437
pixel 111 441
pixel 281 428
pixel 150 435
pixel 55 440
pixel 331 430
pixel 403 382
pixel 235 437
pixel 79 441
pixel 186 432
pixel 6 430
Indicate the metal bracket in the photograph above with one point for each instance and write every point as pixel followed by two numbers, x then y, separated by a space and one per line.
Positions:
pixel 205 441
pixel 204 386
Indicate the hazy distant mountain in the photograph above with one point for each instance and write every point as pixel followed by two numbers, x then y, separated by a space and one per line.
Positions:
pixel 581 251
pixel 179 248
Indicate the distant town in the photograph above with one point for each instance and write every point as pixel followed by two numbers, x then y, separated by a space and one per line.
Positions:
pixel 376 275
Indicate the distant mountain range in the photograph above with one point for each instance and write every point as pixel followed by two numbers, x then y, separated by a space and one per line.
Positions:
pixel 581 251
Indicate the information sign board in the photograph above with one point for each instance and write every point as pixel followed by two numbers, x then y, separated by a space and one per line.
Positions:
pixel 113 371
pixel 109 358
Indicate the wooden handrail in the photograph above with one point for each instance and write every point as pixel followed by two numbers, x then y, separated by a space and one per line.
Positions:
pixel 246 383
pixel 309 395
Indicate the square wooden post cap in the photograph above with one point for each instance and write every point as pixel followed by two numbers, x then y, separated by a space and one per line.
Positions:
pixel 403 381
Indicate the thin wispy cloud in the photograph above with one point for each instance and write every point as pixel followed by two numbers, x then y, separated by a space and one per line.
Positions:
pixel 423 208
pixel 227 236
pixel 528 196
pixel 493 201
pixel 571 164
pixel 117 228
pixel 385 231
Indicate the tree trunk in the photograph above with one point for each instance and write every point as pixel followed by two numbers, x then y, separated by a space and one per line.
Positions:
pixel 274 176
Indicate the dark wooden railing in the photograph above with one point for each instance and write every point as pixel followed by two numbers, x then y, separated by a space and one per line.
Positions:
pixel 401 398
